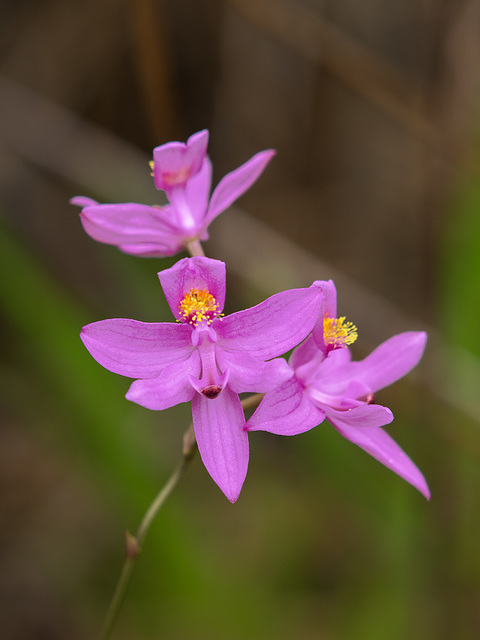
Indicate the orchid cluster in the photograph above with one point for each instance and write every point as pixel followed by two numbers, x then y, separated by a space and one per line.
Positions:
pixel 208 359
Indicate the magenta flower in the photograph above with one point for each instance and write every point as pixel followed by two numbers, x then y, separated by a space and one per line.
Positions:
pixel 327 384
pixel 206 358
pixel 184 173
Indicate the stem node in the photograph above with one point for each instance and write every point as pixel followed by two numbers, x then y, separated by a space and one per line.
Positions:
pixel 132 545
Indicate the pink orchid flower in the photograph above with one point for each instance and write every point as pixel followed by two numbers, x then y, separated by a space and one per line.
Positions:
pixel 328 384
pixel 206 358
pixel 184 173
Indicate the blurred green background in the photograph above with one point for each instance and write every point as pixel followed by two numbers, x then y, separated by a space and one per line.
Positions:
pixel 374 110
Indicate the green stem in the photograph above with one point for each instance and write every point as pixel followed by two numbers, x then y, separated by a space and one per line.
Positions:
pixel 133 543
pixel 194 248
pixel 252 401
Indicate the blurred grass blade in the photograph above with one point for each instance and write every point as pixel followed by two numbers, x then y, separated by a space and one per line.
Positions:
pixel 47 322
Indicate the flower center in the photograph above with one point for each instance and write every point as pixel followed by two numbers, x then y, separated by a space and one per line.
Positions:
pixel 339 333
pixel 198 306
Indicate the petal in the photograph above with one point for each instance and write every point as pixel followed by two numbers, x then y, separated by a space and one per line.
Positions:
pixel 189 204
pixel 381 446
pixel 152 249
pixel 329 308
pixel 127 223
pixel 171 387
pixel 329 302
pixel 365 415
pixel 391 360
pixel 211 376
pixel 274 326
pixel 175 163
pixel 82 201
pixel 137 349
pixel 246 373
pixel 222 441
pixel 235 183
pixel 304 353
pixel 333 374
pixel 197 191
pixel 286 411
pixel 193 273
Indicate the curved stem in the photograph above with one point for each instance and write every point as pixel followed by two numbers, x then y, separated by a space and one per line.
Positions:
pixel 133 543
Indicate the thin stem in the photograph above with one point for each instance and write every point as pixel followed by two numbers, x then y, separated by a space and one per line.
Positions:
pixel 252 401
pixel 133 543
pixel 194 248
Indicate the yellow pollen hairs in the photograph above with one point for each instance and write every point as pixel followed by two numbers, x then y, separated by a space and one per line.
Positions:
pixel 339 333
pixel 198 306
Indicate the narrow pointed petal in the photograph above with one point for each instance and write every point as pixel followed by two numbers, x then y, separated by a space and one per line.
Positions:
pixel 376 442
pixel 193 273
pixel 137 349
pixel 365 415
pixel 127 223
pixel 274 326
pixel 222 441
pixel 247 373
pixel 391 360
pixel 171 387
pixel 235 183
pixel 286 411
pixel 82 201
pixel 174 163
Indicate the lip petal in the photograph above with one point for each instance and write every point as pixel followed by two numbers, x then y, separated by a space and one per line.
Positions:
pixel 174 163
pixel 193 273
